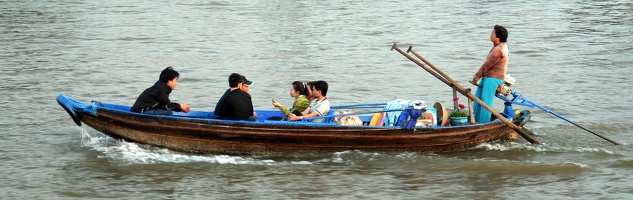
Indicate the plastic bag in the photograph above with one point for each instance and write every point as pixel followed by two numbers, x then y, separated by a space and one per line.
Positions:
pixel 347 120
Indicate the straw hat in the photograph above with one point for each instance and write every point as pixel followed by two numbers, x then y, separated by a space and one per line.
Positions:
pixel 441 112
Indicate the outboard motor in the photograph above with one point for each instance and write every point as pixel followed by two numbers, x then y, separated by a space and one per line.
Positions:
pixel 506 87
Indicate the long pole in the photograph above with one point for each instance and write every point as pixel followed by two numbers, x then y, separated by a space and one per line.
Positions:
pixel 467 93
pixel 570 121
pixel 534 104
pixel 605 138
pixel 563 118
pixel 438 76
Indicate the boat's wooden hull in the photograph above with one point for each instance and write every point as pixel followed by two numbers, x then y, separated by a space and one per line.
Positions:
pixel 194 132
pixel 217 137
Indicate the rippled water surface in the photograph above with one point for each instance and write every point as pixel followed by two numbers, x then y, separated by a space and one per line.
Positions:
pixel 571 56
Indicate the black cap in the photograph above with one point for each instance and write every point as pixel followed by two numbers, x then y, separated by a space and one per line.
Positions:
pixel 246 81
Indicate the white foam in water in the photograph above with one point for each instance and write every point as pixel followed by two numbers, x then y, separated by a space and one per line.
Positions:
pixel 133 153
pixel 588 149
pixel 505 146
pixel 539 148
pixel 577 164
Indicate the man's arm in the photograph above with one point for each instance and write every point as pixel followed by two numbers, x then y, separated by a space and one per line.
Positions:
pixel 304 114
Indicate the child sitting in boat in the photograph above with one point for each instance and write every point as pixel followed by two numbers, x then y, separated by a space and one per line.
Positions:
pixel 297 91
pixel 155 99
pixel 320 105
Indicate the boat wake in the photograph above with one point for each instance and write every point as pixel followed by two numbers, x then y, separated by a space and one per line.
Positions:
pixel 544 148
pixel 128 153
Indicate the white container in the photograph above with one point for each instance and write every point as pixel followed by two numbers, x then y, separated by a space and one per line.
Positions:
pixel 509 79
pixel 429 113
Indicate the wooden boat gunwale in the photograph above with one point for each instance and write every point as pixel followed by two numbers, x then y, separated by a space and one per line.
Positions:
pixel 183 132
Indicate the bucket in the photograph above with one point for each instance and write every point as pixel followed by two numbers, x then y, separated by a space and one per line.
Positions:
pixel 459 121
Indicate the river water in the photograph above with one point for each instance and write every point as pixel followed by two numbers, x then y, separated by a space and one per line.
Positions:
pixel 571 56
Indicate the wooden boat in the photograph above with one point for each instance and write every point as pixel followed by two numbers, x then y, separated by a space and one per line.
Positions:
pixel 195 132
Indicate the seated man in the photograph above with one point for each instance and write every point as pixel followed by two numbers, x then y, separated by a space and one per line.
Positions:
pixel 234 80
pixel 155 99
pixel 318 107
pixel 237 104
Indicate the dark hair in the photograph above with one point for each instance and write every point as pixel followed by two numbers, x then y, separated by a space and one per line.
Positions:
pixel 321 85
pixel 299 87
pixel 235 79
pixel 501 33
pixel 168 74
pixel 309 87
pixel 310 84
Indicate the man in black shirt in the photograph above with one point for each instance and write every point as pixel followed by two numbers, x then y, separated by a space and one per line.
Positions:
pixel 235 80
pixel 236 103
pixel 155 99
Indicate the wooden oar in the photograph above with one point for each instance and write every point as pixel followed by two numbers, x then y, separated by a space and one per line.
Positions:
pixel 467 93
pixel 438 76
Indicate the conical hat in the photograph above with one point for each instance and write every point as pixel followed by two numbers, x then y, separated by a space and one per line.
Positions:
pixel 441 112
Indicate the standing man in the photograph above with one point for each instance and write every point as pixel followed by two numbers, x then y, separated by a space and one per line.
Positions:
pixel 491 73
pixel 320 105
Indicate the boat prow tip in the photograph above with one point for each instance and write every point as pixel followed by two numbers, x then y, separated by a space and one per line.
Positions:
pixel 65 102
